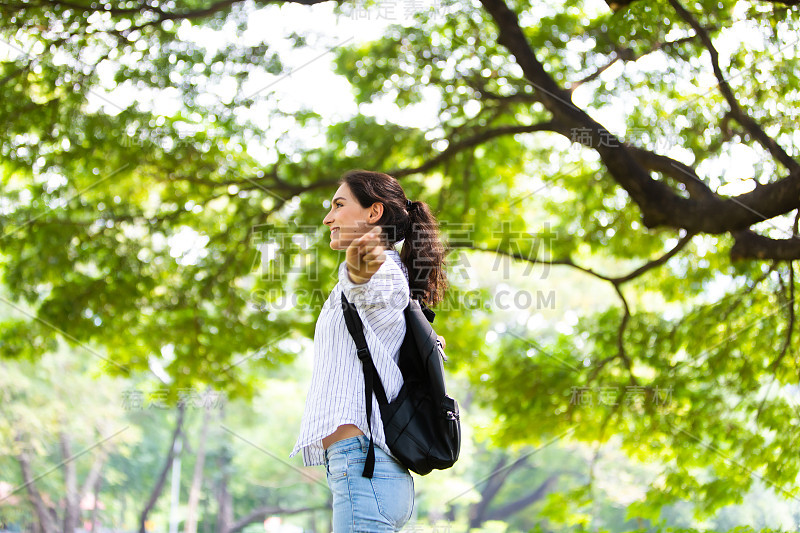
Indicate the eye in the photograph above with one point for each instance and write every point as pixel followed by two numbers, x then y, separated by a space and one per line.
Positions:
pixel 338 204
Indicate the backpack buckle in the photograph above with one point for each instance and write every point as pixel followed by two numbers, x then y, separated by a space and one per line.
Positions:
pixel 363 353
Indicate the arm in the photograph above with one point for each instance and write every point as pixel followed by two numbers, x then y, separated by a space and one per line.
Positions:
pixel 386 291
pixel 377 286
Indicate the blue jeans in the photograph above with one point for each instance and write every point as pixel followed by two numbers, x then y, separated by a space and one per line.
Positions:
pixel 360 504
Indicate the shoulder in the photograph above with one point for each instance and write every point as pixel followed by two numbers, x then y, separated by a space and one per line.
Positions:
pixel 397 263
pixel 392 268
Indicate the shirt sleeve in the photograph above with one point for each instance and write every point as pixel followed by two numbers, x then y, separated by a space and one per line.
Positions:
pixel 388 287
pixel 380 301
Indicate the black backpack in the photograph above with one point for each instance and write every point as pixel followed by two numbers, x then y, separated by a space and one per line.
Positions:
pixel 421 424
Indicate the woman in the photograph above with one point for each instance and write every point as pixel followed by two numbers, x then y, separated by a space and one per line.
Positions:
pixel 369 214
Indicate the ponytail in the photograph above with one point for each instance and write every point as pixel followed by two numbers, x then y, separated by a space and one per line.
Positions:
pixel 423 255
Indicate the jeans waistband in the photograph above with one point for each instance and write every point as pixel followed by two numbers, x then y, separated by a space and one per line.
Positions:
pixel 345 445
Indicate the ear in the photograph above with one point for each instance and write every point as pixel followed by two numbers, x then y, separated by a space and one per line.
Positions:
pixel 375 212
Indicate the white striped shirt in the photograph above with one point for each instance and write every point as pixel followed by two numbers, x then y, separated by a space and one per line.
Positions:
pixel 336 393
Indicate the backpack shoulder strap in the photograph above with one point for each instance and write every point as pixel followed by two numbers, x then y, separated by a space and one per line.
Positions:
pixel 429 314
pixel 372 380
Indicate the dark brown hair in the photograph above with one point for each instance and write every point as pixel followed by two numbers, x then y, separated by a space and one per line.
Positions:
pixel 422 253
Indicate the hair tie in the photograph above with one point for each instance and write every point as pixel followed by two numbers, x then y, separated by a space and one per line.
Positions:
pixel 409 205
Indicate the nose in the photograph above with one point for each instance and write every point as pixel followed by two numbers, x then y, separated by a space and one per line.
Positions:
pixel 327 220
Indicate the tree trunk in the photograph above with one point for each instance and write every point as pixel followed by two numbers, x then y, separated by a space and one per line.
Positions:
pixel 93 477
pixel 164 470
pixel 122 509
pixel 92 483
pixel 312 522
pixel 96 495
pixel 504 511
pixel 46 521
pixel 495 482
pixel 72 499
pixel 224 497
pixel 197 478
pixel 493 485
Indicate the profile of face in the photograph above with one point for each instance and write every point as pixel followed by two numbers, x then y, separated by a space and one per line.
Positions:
pixel 347 220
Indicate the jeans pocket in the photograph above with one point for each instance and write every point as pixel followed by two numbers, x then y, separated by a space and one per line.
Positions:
pixel 336 467
pixel 395 497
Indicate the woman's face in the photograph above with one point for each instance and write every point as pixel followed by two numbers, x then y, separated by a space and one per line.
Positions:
pixel 348 220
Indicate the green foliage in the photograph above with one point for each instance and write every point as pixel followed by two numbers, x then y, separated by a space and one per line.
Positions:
pixel 155 231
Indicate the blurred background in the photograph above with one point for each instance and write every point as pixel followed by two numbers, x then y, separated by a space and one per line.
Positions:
pixel 616 184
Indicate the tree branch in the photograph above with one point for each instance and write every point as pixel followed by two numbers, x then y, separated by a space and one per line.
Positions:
pixel 658 202
pixel 44 513
pixel 72 498
pixel 504 511
pixel 163 15
pixel 94 473
pixel 660 205
pixel 594 75
pixel 654 262
pixel 162 477
pixel 738 113
pixel 619 280
pixel 750 245
pixel 676 170
pixel 477 84
pixel 260 514
pixel 623 324
pixel 616 282
pixel 787 342
pixel 497 479
pixel 616 5
pixel 475 140
pixel 626 54
pixel 790 326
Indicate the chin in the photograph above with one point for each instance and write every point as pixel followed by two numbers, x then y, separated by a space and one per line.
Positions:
pixel 338 244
